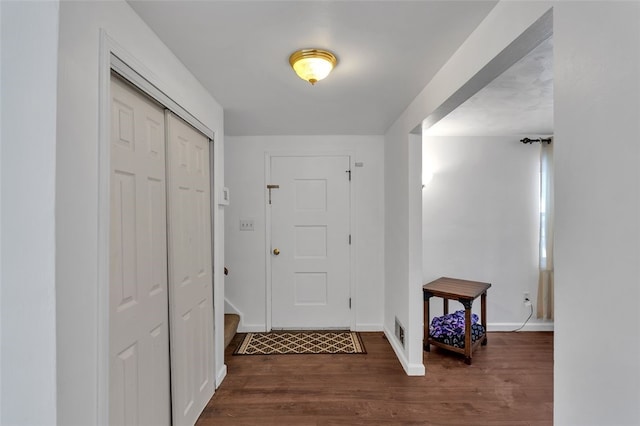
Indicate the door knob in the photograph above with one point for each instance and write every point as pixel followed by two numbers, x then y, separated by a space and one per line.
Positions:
pixel 276 251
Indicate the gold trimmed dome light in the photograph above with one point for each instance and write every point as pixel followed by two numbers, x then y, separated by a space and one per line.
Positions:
pixel 312 65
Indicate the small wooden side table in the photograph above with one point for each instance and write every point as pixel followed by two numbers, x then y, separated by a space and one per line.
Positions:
pixel 465 292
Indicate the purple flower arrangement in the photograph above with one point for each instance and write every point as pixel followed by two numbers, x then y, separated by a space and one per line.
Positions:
pixel 450 325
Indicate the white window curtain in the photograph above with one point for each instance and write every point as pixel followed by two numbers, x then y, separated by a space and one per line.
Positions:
pixel 545 280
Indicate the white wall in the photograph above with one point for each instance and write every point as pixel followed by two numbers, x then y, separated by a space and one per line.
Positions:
pixel 403 247
pixel 1 259
pixel 245 251
pixel 80 366
pixel 480 221
pixel 29 42
pixel 403 293
pixel 396 227
pixel 597 193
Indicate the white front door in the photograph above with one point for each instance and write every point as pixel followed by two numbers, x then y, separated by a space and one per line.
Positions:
pixel 190 271
pixel 310 254
pixel 138 319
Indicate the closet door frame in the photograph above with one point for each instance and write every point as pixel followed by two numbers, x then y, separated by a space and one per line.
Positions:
pixel 114 57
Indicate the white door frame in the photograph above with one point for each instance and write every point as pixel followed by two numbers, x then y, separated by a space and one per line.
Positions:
pixel 149 85
pixel 267 215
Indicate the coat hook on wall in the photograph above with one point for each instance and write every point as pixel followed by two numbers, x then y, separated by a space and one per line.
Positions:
pixel 270 187
pixel 541 140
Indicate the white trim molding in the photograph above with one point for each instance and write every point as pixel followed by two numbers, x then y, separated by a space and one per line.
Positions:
pixel 511 326
pixel 122 67
pixel 369 327
pixel 410 369
pixel 220 375
pixel 251 328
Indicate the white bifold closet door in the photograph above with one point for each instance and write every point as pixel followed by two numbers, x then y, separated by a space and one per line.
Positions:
pixel 161 366
pixel 190 271
pixel 138 301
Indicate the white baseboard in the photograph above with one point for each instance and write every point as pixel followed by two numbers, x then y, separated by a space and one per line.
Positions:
pixel 229 308
pixel 259 328
pixel 511 326
pixel 251 328
pixel 369 327
pixel 415 370
pixel 222 373
pixel 410 369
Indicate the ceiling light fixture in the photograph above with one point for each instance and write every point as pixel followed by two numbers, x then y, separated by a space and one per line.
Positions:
pixel 312 65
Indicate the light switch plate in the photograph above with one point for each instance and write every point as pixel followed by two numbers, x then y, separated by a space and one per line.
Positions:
pixel 246 224
pixel 223 199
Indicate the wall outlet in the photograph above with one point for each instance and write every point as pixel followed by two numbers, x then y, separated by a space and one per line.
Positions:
pixel 526 299
pixel 246 224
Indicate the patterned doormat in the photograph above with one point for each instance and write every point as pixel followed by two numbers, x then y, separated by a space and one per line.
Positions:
pixel 301 342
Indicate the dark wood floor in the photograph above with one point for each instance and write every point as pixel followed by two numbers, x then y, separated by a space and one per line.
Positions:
pixel 509 383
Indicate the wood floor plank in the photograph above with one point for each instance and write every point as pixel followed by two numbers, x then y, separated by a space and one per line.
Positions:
pixel 509 383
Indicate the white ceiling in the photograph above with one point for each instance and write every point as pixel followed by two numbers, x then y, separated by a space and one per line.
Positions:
pixel 387 51
pixel 518 102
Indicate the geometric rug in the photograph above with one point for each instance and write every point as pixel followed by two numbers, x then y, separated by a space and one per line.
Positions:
pixel 301 342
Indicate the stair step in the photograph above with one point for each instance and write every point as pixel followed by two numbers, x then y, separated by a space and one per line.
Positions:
pixel 231 322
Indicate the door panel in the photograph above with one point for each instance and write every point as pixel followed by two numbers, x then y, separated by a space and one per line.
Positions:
pixel 138 301
pixel 310 277
pixel 190 273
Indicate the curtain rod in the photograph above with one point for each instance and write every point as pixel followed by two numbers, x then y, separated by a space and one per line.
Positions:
pixel 541 140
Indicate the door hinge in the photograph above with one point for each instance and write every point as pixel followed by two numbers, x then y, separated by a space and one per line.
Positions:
pixel 349 171
pixel 349 303
pixel 349 239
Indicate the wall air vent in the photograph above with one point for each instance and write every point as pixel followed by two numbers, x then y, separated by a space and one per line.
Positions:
pixel 399 332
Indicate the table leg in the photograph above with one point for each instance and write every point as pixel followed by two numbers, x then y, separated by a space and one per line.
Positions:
pixel 425 342
pixel 483 314
pixel 467 335
pixel 468 347
pixel 445 306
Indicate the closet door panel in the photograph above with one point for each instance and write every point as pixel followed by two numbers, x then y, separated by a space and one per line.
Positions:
pixel 190 271
pixel 139 391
